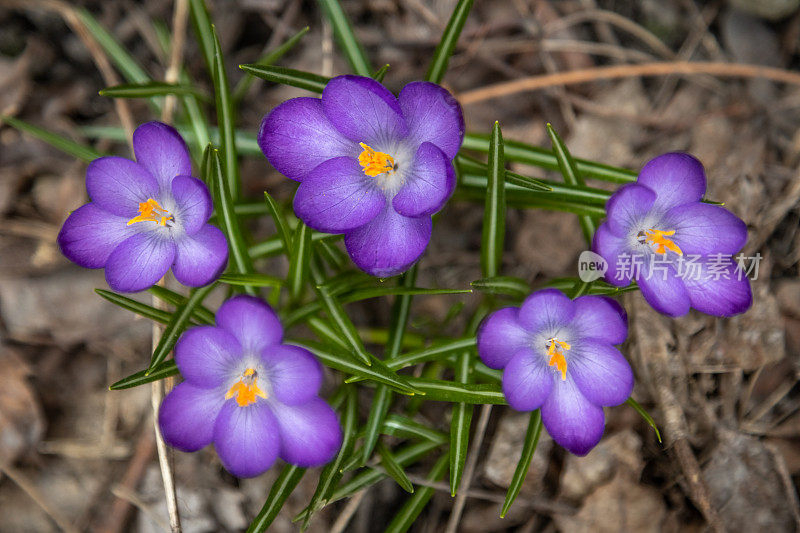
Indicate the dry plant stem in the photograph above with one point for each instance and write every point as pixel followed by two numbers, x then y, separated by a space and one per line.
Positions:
pixel 134 499
pixel 31 490
pixel 179 18
pixel 653 356
pixel 469 470
pixel 347 513
pixel 574 77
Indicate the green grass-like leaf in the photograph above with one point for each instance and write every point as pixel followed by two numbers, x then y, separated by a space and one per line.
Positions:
pixel 177 324
pixel 124 61
pixel 644 414
pixel 270 58
pixel 150 89
pixel 400 426
pixel 528 448
pixel 331 474
pixel 541 157
pixel 200 313
pixel 68 146
pixel 287 76
pixel 508 285
pixel 407 514
pixel 201 22
pixel 450 391
pixel 283 486
pixel 226 118
pixel 597 287
pixel 571 176
pixel 377 371
pixel 381 73
pixel 392 468
pixel 460 424
pixel 251 280
pixel 164 370
pixel 494 211
pixel 299 261
pixel 276 212
pixel 441 56
pixel 141 309
pixel 227 218
pixel 345 36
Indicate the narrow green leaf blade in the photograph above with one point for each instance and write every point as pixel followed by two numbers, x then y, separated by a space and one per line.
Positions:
pixel 227 120
pixel 151 89
pixel 494 212
pixel 204 31
pixel 460 424
pixel 163 370
pixel 346 38
pixel 528 448
pixel 644 414
pixel 68 146
pixel 124 61
pixel 571 176
pixel 451 391
pixel 268 59
pixel 441 56
pixel 200 313
pixel 287 76
pixel 276 212
pixel 508 285
pixel 381 402
pixel 393 468
pixel 406 516
pixel 381 73
pixel 288 479
pixel 251 280
pixel 302 253
pixel 176 326
pixel 141 309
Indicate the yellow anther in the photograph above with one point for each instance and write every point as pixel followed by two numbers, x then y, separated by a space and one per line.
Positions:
pixel 659 238
pixel 246 389
pixel 554 347
pixel 150 211
pixel 375 163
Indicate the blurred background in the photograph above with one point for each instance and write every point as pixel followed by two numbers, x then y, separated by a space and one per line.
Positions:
pixel 75 456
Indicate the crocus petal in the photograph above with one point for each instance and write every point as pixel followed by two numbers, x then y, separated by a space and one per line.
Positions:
pixel 161 150
pixel 363 110
pixel 205 355
pixel 601 372
pixel 616 252
pixel 119 185
pixel 297 136
pixel 702 229
pixel 527 380
pixel 337 196
pixel 676 178
pixel 388 244
pixel 200 258
pixel 664 290
pixel 429 184
pixel 433 115
pixel 548 309
pixel 573 421
pixel 310 433
pixel 187 416
pixel 500 337
pixel 719 288
pixel 90 234
pixel 140 261
pixel 293 372
pixel 193 203
pixel 247 439
pixel 627 207
pixel 254 324
pixel 601 318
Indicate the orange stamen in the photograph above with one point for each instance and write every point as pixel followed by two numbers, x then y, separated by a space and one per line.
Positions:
pixel 659 238
pixel 554 347
pixel 375 163
pixel 150 211
pixel 246 389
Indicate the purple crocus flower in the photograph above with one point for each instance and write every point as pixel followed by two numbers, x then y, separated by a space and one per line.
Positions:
pixel 146 216
pixel 370 165
pixel 679 250
pixel 252 396
pixel 558 355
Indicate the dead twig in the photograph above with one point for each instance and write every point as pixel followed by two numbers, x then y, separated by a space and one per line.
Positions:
pixel 33 492
pixel 575 77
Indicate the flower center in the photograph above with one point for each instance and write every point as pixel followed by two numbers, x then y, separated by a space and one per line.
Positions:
pixel 554 350
pixel 658 238
pixel 246 389
pixel 375 163
pixel 150 211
